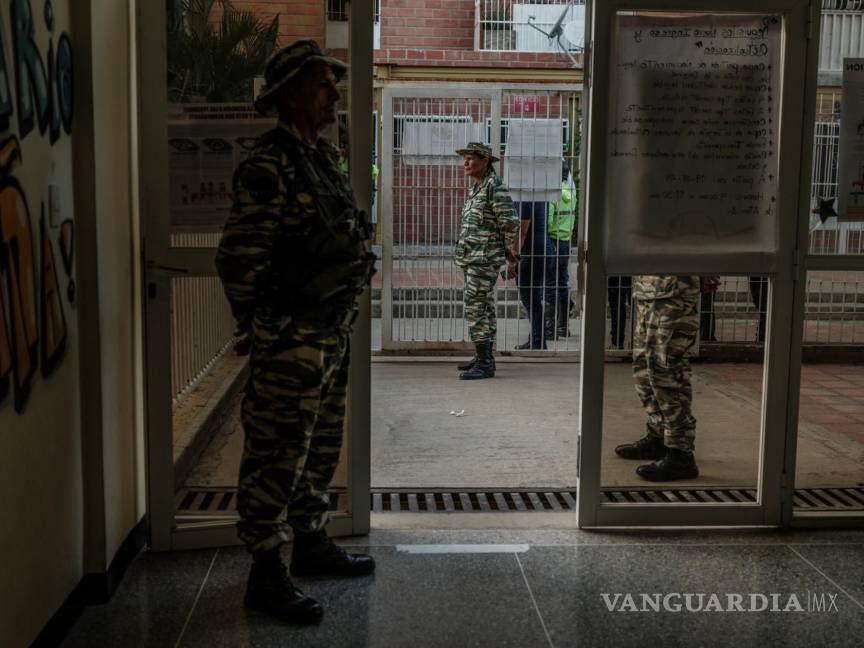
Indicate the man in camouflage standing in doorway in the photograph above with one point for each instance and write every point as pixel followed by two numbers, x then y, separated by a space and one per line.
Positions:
pixel 666 325
pixel 489 229
pixel 294 257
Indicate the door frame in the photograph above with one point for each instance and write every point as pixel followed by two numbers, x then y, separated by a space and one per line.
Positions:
pixel 163 262
pixel 778 430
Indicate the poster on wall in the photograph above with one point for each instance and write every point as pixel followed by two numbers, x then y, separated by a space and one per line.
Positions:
pixel 850 165
pixel 693 130
pixel 206 143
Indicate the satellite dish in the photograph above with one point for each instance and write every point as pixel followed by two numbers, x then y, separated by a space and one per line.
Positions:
pixel 574 31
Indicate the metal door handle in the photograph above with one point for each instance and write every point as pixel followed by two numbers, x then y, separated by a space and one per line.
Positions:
pixel 152 265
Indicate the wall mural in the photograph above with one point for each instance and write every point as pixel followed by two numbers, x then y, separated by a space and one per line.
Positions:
pixel 32 320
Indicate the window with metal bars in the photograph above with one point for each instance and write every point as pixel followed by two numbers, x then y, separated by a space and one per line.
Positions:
pixel 514 25
pixel 337 10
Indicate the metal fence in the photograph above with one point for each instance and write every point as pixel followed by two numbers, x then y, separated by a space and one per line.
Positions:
pixel 525 26
pixel 425 187
pixel 202 326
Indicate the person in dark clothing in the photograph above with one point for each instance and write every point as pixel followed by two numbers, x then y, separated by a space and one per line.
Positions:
pixel 707 325
pixel 759 293
pixel 535 270
pixel 618 290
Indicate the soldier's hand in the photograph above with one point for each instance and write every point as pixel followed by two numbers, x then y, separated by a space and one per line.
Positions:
pixel 243 342
pixel 709 284
pixel 243 346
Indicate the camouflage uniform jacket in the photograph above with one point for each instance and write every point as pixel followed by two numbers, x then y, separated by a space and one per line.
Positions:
pixel 489 224
pixel 295 242
pixel 648 287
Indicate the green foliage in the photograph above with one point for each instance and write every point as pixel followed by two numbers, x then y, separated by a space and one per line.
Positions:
pixel 212 59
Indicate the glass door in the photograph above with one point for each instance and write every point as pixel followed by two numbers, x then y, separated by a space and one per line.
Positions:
pixel 196 124
pixel 698 143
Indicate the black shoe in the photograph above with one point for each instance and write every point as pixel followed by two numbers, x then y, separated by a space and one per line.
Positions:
pixel 315 554
pixel 524 346
pixel 648 447
pixel 677 464
pixel 269 590
pixel 485 365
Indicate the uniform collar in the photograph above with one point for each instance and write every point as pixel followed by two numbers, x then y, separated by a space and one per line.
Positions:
pixel 294 132
pixel 478 185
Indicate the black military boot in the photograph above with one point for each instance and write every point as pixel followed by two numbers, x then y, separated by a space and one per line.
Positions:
pixel 469 365
pixel 485 366
pixel 648 447
pixel 563 320
pixel 315 554
pixel 269 590
pixel 677 464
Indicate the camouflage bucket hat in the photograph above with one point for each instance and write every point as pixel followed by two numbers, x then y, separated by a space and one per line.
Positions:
pixel 478 148
pixel 284 66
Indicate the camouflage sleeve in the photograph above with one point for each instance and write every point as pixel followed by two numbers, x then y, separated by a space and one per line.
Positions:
pixel 505 215
pixel 255 222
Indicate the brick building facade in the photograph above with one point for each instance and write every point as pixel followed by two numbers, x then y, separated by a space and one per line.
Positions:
pixel 413 34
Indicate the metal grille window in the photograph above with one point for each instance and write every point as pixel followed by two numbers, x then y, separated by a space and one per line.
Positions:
pixel 337 10
pixel 505 130
pixel 830 237
pixel 519 26
pixel 842 36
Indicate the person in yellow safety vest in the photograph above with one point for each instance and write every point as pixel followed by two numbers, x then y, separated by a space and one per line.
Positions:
pixel 343 166
pixel 559 228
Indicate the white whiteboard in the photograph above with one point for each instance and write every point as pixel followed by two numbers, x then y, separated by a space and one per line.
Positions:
pixel 692 145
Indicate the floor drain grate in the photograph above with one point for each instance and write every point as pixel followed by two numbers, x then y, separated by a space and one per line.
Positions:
pixel 223 501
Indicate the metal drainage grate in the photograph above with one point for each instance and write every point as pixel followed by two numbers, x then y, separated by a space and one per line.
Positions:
pixel 222 501
pixel 829 499
pixel 472 501
pixel 680 496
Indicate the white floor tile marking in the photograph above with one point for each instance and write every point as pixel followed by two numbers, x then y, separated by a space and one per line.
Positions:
pixel 534 601
pixel 461 548
pixel 826 577
pixel 195 602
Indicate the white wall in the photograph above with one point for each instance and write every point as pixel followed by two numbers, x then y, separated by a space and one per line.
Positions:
pixel 40 446
pixel 74 490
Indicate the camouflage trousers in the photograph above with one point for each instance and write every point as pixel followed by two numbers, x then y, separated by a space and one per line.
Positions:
pixel 293 416
pixel 665 329
pixel 479 299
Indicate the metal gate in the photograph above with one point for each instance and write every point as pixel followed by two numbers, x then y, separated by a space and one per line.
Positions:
pixel 423 188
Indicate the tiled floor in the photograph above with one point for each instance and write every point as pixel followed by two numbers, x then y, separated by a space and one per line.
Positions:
pixel 511 588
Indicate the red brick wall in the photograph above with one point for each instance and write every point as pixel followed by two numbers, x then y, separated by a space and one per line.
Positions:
pixel 297 18
pixel 470 58
pixel 427 24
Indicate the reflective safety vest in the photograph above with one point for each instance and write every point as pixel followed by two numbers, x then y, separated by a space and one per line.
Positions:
pixel 562 215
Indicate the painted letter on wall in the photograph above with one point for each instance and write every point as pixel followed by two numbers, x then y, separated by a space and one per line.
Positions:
pixel 18 264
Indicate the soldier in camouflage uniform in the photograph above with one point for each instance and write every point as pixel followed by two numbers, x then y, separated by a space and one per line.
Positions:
pixel 489 228
pixel 294 257
pixel 666 325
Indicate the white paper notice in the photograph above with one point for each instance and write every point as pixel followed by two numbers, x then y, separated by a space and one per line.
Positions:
pixel 693 132
pixel 850 171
